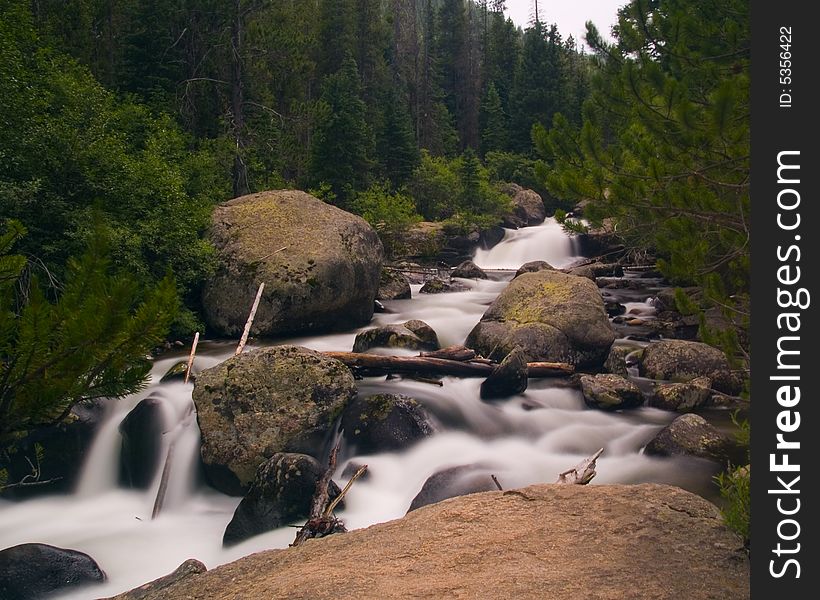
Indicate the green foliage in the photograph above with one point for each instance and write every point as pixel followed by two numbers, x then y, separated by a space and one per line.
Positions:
pixel 433 185
pixel 735 488
pixel 90 341
pixel 664 144
pixel 494 122
pixel 396 145
pixel 390 213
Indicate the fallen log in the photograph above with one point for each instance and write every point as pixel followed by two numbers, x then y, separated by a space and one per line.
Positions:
pixel 582 473
pixel 456 352
pixel 441 366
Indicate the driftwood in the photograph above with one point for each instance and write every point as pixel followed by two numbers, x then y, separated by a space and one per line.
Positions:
pixel 582 473
pixel 249 323
pixel 441 366
pixel 191 357
pixel 321 521
pixel 457 352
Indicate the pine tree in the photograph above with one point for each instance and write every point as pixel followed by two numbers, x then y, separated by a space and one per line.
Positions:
pixel 396 144
pixel 494 123
pixel 343 145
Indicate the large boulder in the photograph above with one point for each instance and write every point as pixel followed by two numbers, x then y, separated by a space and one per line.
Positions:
pixel 282 493
pixel 413 335
pixel 528 206
pixel 141 449
pixel 33 571
pixel 573 542
pixel 452 482
pixel 552 316
pixel 691 435
pixel 280 399
pixel 680 361
pixel 384 423
pixel 610 392
pixel 320 265
pixel 393 285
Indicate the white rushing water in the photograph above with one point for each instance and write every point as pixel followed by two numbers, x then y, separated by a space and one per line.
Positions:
pixel 527 439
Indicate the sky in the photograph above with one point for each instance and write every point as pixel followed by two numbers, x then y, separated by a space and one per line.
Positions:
pixel 569 15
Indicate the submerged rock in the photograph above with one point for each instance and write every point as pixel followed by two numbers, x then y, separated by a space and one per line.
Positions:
pixel 33 571
pixel 393 285
pixel 469 270
pixel 281 493
pixel 439 286
pixel 414 335
pixel 384 423
pixel 452 482
pixel 572 542
pixel 533 267
pixel 681 361
pixel 279 399
pixel 320 265
pixel 141 450
pixel 610 392
pixel 553 317
pixel 508 378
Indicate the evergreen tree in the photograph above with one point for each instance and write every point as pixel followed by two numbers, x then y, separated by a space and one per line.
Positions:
pixel 494 123
pixel 470 172
pixel 452 48
pixel 396 145
pixel 343 146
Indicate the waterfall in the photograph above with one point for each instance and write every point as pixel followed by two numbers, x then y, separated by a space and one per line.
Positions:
pixel 548 242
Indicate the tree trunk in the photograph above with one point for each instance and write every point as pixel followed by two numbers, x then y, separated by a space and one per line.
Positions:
pixel 240 169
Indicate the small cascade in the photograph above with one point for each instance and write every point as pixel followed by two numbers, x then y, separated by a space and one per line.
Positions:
pixel 548 242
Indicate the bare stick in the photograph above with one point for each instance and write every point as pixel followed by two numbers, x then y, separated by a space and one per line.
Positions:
pixel 191 357
pixel 322 494
pixel 163 482
pixel 582 473
pixel 251 316
pixel 359 472
pixel 498 485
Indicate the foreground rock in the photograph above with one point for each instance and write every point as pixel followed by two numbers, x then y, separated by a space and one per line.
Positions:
pixel 508 378
pixel 280 399
pixel 384 423
pixel 393 285
pixel 610 392
pixel 553 317
pixel 680 361
pixel 548 541
pixel 413 335
pixel 469 270
pixel 320 265
pixel 189 568
pixel 281 494
pixel 452 482
pixel 690 435
pixel 32 571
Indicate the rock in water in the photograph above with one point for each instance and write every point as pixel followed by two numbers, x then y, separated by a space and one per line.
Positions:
pixel 569 542
pixel 610 392
pixel 469 270
pixel 452 482
pixel 32 571
pixel 414 335
pixel 141 450
pixel 320 265
pixel 691 435
pixel 508 378
pixel 533 267
pixel 384 423
pixel 681 361
pixel 279 399
pixel 553 316
pixel 529 207
pixel 393 285
pixel 682 397
pixel 282 493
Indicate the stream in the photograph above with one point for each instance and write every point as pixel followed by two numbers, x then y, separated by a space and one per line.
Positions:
pixel 526 439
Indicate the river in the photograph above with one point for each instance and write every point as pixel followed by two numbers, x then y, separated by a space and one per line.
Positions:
pixel 527 439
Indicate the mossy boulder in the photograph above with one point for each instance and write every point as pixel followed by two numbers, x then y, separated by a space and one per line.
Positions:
pixel 281 493
pixel 682 397
pixel 280 399
pixel 552 316
pixel 691 435
pixel 320 265
pixel 610 392
pixel 681 361
pixel 393 285
pixel 385 423
pixel 413 335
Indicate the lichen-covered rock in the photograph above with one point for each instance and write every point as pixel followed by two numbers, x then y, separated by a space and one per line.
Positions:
pixel 682 397
pixel 281 493
pixel 552 316
pixel 681 361
pixel 385 422
pixel 280 399
pixel 393 285
pixel 508 378
pixel 452 482
pixel 610 392
pixel 690 435
pixel 469 270
pixel 533 267
pixel 413 335
pixel 141 449
pixel 616 362
pixel 33 571
pixel 320 265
